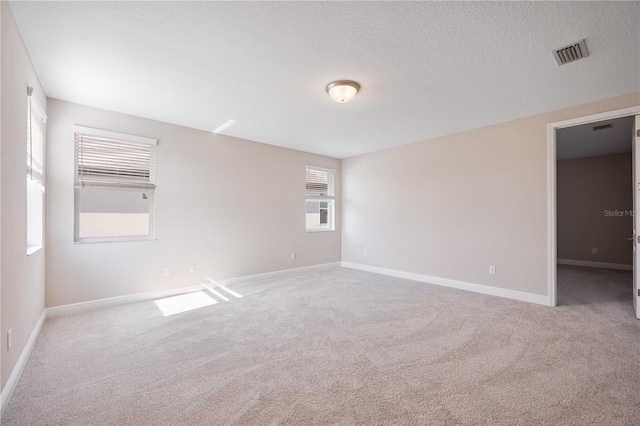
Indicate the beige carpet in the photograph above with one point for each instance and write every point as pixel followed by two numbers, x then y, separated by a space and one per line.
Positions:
pixel 345 347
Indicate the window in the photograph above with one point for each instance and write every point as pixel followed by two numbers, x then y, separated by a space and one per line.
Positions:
pixel 114 186
pixel 320 199
pixel 36 120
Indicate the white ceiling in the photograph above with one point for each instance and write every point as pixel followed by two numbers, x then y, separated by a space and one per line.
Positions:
pixel 582 141
pixel 426 69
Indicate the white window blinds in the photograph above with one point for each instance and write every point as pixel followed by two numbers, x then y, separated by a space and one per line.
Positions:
pixel 319 183
pixel 35 138
pixel 107 159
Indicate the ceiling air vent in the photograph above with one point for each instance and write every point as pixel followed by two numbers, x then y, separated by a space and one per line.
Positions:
pixel 602 127
pixel 571 53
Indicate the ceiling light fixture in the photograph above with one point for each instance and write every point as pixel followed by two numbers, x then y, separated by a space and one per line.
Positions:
pixel 343 90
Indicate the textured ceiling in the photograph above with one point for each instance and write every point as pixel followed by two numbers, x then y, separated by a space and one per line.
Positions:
pixel 582 141
pixel 426 69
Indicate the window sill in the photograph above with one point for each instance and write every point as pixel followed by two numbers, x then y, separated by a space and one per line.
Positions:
pixel 33 249
pixel 102 241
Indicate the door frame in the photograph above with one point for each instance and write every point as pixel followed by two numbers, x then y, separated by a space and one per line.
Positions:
pixel 551 173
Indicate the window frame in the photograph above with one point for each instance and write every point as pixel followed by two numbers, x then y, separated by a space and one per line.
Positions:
pixel 35 181
pixel 148 189
pixel 330 198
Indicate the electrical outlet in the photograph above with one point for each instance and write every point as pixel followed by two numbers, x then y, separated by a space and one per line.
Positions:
pixel 9 340
pixel 293 256
pixel 365 253
pixel 594 250
pixel 166 271
pixel 492 269
pixel 192 268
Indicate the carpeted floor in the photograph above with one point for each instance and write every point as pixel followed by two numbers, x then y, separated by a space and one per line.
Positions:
pixel 345 347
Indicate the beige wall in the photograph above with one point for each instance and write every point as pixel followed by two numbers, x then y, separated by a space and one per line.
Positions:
pixel 590 191
pixel 449 207
pixel 22 276
pixel 231 207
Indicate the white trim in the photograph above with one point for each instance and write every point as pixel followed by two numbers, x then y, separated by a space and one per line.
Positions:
pixel 321 198
pixel 591 264
pixel 551 215
pixel 114 135
pixel 77 308
pixel 276 274
pixel 461 285
pixel 319 169
pixel 125 239
pixel 608 115
pixel 14 378
pixel 551 179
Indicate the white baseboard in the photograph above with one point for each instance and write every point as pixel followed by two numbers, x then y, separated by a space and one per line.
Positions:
pixel 591 264
pixel 282 273
pixel 77 308
pixel 461 285
pixel 14 378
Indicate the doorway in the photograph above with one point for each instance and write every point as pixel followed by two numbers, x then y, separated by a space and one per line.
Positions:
pixel 594 211
pixel 553 131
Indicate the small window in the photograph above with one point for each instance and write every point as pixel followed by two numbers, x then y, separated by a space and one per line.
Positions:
pixel 114 186
pixel 320 214
pixel 36 120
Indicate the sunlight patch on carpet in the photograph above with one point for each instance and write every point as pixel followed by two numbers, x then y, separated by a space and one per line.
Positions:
pixel 214 285
pixel 217 293
pixel 231 292
pixel 184 302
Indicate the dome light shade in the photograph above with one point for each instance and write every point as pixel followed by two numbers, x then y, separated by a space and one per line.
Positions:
pixel 343 90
